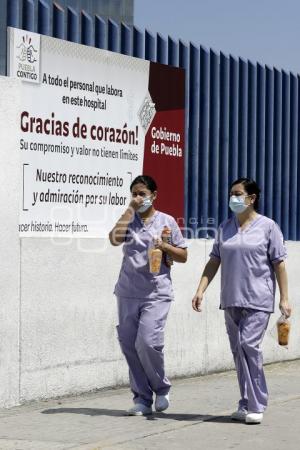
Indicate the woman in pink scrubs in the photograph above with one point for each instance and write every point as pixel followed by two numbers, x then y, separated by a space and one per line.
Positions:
pixel 144 298
pixel 250 249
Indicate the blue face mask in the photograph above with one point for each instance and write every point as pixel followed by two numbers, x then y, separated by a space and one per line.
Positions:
pixel 237 204
pixel 147 203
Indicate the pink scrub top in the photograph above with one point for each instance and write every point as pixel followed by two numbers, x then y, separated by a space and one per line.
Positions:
pixel 135 279
pixel 247 257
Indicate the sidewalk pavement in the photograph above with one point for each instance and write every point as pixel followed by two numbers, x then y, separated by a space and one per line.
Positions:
pixel 198 418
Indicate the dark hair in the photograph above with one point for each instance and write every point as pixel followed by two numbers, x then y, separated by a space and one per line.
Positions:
pixel 251 187
pixel 146 180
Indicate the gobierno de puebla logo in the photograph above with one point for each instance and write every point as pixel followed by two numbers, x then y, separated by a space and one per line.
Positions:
pixel 27 57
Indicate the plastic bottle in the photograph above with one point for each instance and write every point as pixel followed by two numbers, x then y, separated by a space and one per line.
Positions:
pixel 166 236
pixel 155 257
pixel 283 329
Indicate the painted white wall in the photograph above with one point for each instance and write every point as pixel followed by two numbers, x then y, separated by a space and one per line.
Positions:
pixel 10 179
pixel 67 317
pixel 58 313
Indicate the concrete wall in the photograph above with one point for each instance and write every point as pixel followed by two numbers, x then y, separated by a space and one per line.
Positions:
pixel 10 179
pixel 67 316
pixel 58 313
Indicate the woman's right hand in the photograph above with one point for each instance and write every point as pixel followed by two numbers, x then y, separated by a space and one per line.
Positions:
pixel 136 202
pixel 196 302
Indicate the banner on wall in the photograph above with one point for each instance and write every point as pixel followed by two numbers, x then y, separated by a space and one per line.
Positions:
pixel 91 120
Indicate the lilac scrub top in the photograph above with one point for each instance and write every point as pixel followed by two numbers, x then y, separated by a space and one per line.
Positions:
pixel 135 279
pixel 247 257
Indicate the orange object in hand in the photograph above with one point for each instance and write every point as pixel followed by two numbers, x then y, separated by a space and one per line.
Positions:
pixel 166 236
pixel 155 257
pixel 283 329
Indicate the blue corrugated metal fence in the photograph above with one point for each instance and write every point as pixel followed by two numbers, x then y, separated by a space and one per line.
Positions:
pixel 242 119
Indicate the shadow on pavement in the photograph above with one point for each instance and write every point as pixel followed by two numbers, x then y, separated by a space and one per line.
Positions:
pixel 197 418
pixel 154 416
pixel 224 419
pixel 86 411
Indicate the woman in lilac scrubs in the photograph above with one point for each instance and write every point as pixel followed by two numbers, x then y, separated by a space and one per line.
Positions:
pixel 144 299
pixel 250 249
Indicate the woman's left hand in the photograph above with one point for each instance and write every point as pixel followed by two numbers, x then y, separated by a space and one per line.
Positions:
pixel 285 308
pixel 159 243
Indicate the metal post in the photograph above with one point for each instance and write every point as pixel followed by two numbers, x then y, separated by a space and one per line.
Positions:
pixel 43 17
pixel 28 15
pixel 261 130
pixel 86 29
pixel 193 154
pixel 100 33
pixel 126 38
pixel 113 36
pixel 149 46
pixel 268 194
pixel 224 137
pixel 58 21
pixel 73 26
pixel 203 162
pixel 161 49
pixel 138 43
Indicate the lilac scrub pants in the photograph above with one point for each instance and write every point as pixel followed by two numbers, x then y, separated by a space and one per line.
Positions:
pixel 246 328
pixel 141 335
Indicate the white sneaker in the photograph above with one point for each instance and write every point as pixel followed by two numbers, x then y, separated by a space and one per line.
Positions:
pixel 239 415
pixel 139 410
pixel 162 402
pixel 254 417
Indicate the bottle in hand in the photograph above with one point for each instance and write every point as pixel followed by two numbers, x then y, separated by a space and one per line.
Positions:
pixel 166 236
pixel 155 257
pixel 283 329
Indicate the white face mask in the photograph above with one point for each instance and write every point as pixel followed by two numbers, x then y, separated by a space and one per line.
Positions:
pixel 237 204
pixel 147 203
